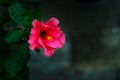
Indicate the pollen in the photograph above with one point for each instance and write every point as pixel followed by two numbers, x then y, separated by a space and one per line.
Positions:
pixel 49 38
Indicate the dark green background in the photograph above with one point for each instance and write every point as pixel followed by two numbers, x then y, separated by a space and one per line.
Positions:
pixel 16 18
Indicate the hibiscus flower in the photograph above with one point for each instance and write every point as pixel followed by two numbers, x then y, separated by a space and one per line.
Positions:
pixel 46 35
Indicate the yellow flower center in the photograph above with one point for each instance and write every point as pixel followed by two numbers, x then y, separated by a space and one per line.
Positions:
pixel 49 38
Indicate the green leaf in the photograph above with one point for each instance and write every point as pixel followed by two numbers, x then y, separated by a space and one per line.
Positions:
pixel 17 12
pixel 14 36
pixel 23 16
pixel 17 59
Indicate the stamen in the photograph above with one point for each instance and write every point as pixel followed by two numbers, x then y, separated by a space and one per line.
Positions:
pixel 49 38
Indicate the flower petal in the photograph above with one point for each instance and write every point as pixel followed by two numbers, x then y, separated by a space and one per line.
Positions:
pixel 35 32
pixel 33 41
pixel 54 33
pixel 53 21
pixel 49 51
pixel 57 42
pixel 41 42
pixel 62 38
pixel 37 25
pixel 34 46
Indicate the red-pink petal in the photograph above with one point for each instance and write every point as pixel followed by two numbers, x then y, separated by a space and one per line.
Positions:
pixel 35 32
pixel 37 25
pixel 41 42
pixel 54 33
pixel 62 38
pixel 53 21
pixel 56 42
pixel 34 46
pixel 33 39
pixel 49 51
pixel 53 24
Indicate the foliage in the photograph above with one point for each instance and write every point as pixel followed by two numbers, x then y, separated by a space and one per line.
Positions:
pixel 14 51
pixel 16 59
pixel 14 35
pixel 21 15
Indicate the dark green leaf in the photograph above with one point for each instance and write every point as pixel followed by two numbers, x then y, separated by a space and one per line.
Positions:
pixel 14 36
pixel 17 59
pixel 21 15
pixel 17 12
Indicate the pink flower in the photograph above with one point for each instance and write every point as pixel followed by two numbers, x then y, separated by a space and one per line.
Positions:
pixel 46 35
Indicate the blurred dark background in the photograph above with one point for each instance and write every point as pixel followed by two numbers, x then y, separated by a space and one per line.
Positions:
pixel 92 49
